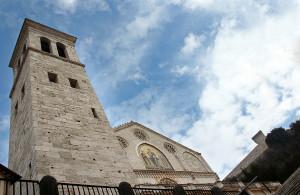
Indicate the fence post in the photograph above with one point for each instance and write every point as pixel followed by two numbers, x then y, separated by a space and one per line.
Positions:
pixel 216 191
pixel 178 190
pixel 48 186
pixel 125 189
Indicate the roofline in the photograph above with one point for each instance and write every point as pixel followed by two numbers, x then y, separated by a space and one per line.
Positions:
pixel 30 23
pixel 131 123
pixel 14 176
pixel 239 166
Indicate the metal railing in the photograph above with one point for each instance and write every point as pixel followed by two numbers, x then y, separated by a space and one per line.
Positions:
pixel 83 189
pixel 20 187
pixel 32 187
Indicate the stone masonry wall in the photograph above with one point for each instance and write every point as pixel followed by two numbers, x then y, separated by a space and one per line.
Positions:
pixel 21 143
pixel 63 139
pixel 183 172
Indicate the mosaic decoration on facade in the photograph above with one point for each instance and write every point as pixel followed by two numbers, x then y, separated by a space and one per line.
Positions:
pixel 153 158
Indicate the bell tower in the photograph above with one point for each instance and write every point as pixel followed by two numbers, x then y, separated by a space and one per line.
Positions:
pixel 58 126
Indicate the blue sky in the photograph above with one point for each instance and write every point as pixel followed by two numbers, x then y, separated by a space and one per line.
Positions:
pixel 207 73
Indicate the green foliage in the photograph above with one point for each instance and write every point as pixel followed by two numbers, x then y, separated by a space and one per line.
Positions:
pixel 281 158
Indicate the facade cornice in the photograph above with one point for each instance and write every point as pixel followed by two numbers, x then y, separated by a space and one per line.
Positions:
pixel 35 25
pixel 172 173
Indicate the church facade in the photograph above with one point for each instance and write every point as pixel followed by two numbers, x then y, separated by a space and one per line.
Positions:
pixel 157 159
pixel 59 128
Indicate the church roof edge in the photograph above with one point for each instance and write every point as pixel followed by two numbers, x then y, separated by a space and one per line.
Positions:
pixel 131 123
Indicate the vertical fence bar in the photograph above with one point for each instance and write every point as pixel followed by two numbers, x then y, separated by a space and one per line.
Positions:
pixel 20 192
pixel 78 189
pixel 88 189
pixel 33 189
pixel 73 189
pixel 6 187
pixel 97 191
pixel 83 190
pixel 68 190
pixel 62 189
pixel 26 188
pixel 102 191
pixel 14 190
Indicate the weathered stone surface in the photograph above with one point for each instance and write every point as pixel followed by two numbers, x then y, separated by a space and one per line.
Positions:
pixel 187 166
pixel 54 129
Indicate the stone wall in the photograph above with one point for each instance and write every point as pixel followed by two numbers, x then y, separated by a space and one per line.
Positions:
pixel 188 166
pixel 64 138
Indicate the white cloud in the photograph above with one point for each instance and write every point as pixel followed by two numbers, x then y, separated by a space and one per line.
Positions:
pixel 251 84
pixel 181 70
pixel 71 6
pixel 128 44
pixel 191 43
pixel 166 112
pixel 195 4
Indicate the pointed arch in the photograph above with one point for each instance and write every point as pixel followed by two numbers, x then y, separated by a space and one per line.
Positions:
pixel 153 158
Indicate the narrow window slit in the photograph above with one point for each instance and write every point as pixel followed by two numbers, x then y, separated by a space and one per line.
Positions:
pixel 23 91
pixel 16 109
pixel 94 113
pixel 24 48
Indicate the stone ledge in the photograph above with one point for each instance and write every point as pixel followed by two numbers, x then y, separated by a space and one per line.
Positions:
pixel 151 173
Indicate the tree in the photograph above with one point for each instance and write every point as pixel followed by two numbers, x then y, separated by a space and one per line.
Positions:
pixel 277 138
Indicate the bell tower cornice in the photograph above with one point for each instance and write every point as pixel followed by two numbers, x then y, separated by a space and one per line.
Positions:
pixel 30 24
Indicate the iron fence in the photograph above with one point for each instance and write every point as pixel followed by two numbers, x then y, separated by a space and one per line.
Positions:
pixel 83 189
pixel 32 187
pixel 20 187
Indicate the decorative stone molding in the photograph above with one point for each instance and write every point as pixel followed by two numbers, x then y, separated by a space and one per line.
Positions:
pixel 167 181
pixel 172 174
pixel 123 142
pixel 169 147
pixel 141 134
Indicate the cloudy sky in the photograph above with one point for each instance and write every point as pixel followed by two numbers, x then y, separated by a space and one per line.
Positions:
pixel 207 73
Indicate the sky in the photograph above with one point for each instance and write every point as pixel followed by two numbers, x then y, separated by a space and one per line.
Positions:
pixel 206 73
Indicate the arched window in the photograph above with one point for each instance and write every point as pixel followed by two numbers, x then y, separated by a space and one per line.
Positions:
pixel 61 49
pixel 45 45
pixel 153 158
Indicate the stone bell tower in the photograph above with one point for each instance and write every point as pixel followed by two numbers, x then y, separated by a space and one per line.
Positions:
pixel 58 126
